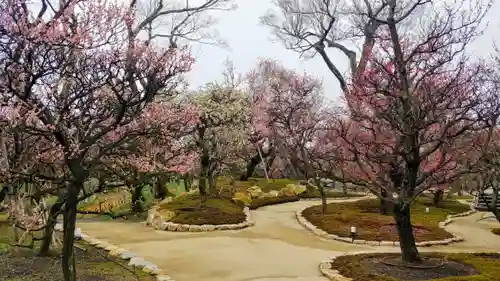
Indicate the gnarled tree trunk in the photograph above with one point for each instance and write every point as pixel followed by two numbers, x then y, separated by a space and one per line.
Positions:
pixel 385 204
pixel 438 197
pixel 137 199
pixel 49 228
pixel 68 254
pixel 409 251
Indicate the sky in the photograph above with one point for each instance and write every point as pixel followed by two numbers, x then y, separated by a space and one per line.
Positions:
pixel 248 41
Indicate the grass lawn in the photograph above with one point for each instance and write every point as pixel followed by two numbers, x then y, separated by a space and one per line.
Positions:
pixel 487 268
pixel 371 225
pixel 20 264
pixel 216 211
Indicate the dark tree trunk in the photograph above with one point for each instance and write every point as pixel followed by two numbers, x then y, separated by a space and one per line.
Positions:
pixel 68 257
pixel 270 162
pixel 344 188
pixel 137 199
pixel 49 228
pixel 409 251
pixel 161 192
pixel 492 207
pixel 187 183
pixel 250 170
pixel 322 195
pixel 438 197
pixel 385 204
pixel 212 183
pixel 202 186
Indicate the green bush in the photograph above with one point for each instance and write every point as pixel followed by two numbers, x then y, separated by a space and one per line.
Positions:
pixel 266 201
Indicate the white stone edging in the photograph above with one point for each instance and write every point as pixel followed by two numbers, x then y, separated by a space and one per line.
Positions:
pixel 156 221
pixel 135 260
pixel 325 267
pixel 308 225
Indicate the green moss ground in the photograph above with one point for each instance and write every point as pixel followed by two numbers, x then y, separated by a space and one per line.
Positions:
pixel 21 264
pixel 371 225
pixel 264 184
pixel 488 266
pixel 328 194
pixel 216 211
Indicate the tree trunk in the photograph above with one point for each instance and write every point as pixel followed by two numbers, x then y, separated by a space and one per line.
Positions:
pixel 438 197
pixel 211 182
pixel 492 207
pixel 409 251
pixel 137 199
pixel 187 183
pixel 252 164
pixel 202 186
pixel 161 192
pixel 68 254
pixel 385 204
pixel 322 194
pixel 49 228
pixel 344 188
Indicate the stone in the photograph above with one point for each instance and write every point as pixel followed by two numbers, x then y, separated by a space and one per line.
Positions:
pixel 273 193
pixel 396 243
pixel 149 267
pixel 78 233
pixel 332 236
pixel 373 243
pixel 182 227
pixel 222 227
pixel 242 197
pixel 116 252
pixel 137 262
pixel 209 227
pixel 151 216
pixel 172 226
pixel 127 255
pixel 110 248
pixel 235 226
pixel 59 227
pixel 359 241
pixel 386 243
pixel 194 228
pixel 344 239
pixel 164 278
pixel 103 245
pixel 255 192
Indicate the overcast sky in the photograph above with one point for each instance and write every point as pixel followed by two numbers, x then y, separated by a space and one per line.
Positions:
pixel 248 40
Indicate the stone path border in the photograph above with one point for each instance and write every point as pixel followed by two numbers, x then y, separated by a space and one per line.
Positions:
pixel 325 267
pixel 449 219
pixel 156 221
pixel 114 251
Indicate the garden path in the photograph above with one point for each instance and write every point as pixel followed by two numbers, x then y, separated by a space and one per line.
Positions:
pixel 277 248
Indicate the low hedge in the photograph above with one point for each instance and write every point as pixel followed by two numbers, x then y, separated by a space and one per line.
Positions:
pixel 309 194
pixel 216 211
pixel 261 202
pixel 373 226
pixel 488 265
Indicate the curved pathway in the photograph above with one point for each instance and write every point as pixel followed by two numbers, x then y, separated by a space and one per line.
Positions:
pixel 277 248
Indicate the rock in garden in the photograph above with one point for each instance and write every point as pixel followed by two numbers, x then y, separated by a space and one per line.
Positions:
pixel 127 255
pixel 242 197
pixel 255 192
pixel 137 262
pixel 164 278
